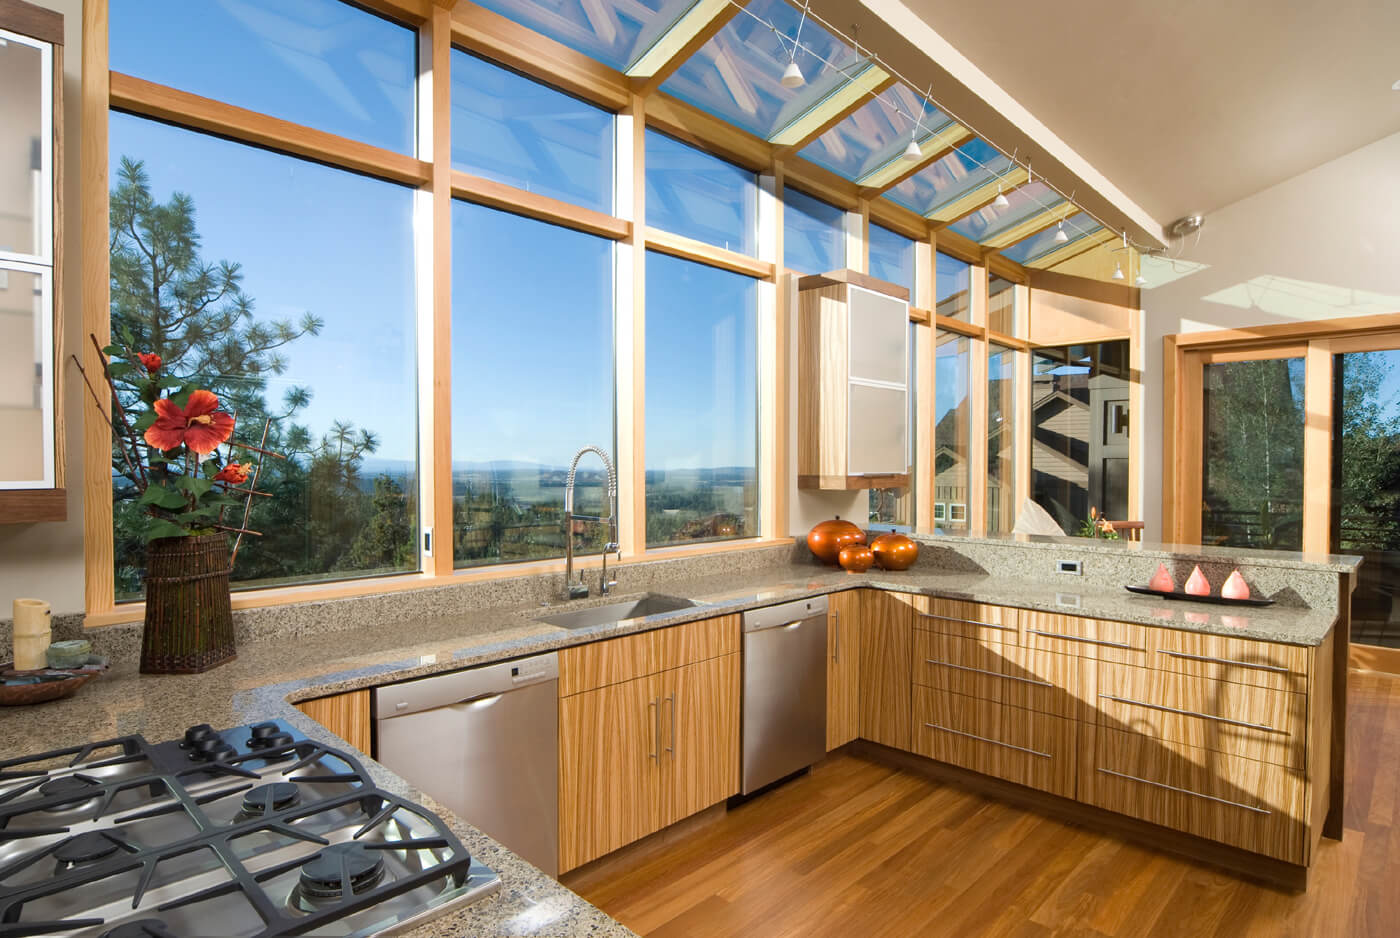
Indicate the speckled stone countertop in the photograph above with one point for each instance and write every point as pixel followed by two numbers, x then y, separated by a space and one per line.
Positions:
pixel 268 675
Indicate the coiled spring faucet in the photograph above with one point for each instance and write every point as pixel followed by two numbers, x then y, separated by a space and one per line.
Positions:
pixel 579 590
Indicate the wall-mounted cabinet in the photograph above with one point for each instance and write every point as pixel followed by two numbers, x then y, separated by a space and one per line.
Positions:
pixel 31 156
pixel 853 382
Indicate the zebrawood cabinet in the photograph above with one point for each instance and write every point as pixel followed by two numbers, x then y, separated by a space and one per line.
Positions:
pixel 843 626
pixel 640 749
pixel 886 634
pixel 346 715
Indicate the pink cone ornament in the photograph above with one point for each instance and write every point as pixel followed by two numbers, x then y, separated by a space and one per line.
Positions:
pixel 1197 584
pixel 1235 587
pixel 1162 580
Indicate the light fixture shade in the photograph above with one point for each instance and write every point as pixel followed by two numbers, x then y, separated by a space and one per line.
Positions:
pixel 1000 201
pixel 792 76
pixel 1141 280
pixel 1117 271
pixel 912 153
pixel 1060 236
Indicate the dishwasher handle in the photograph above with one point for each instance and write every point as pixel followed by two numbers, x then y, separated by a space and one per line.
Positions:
pixel 470 686
pixel 785 615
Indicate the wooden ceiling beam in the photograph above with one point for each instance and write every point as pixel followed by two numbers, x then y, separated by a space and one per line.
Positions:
pixel 701 23
pixel 934 148
pixel 831 110
pixel 953 212
pixel 1027 228
pixel 1073 249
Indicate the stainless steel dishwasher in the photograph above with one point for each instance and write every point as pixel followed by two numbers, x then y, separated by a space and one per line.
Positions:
pixel 485 743
pixel 784 690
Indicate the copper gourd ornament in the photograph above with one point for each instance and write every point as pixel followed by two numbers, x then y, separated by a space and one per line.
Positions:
pixel 856 558
pixel 826 539
pixel 894 551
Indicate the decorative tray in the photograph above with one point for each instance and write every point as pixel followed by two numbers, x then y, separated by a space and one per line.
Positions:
pixel 18 688
pixel 1192 598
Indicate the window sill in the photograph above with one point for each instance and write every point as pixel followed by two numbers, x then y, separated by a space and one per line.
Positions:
pixel 317 592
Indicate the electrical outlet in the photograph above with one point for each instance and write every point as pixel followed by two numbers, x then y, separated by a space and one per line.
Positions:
pixel 1069 600
pixel 1072 567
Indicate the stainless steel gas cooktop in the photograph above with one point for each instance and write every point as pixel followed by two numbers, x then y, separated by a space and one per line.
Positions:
pixel 253 831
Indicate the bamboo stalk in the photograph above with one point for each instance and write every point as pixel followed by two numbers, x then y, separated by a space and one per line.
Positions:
pixel 116 402
pixel 239 531
pixel 252 484
pixel 137 476
pixel 259 449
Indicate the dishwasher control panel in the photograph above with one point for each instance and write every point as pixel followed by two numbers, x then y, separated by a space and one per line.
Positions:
pixel 533 670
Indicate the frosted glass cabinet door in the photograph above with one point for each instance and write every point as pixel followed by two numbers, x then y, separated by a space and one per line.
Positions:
pixel 878 433
pixel 879 327
pixel 26 390
pixel 26 147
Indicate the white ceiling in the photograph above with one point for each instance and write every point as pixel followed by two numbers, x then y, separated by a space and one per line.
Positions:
pixel 1189 106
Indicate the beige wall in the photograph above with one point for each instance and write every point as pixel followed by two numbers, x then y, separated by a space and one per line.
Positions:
pixel 45 561
pixel 1322 245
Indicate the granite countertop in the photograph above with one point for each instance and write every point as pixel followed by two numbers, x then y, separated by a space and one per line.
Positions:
pixel 268 674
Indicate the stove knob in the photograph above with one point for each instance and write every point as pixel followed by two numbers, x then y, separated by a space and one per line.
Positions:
pixel 268 736
pixel 201 732
pixel 264 730
pixel 208 745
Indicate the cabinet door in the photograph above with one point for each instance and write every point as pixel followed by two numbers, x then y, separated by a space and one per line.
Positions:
pixel 346 715
pixel 886 672
pixel 878 431
pixel 843 668
pixel 700 718
pixel 610 749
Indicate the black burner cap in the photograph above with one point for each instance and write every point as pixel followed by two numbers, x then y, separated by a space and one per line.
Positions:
pixel 68 785
pixel 265 799
pixel 141 928
pixel 199 732
pixel 268 736
pixel 322 876
pixel 85 848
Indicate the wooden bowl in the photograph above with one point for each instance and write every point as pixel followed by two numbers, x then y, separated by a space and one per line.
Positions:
pixel 19 688
pixel 826 539
pixel 894 551
pixel 856 558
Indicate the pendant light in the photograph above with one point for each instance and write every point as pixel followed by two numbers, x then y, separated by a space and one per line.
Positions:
pixel 1060 236
pixel 1117 271
pixel 1000 201
pixel 1140 281
pixel 792 75
pixel 913 153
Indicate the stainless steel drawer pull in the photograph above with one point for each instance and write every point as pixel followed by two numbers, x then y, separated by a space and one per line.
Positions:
pixel 836 646
pixel 985 625
pixel 1187 791
pixel 671 699
pixel 1080 638
pixel 1009 677
pixel 1193 713
pixel 1243 664
pixel 994 742
pixel 652 708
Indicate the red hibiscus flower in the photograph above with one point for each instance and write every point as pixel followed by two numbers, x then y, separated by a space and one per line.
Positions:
pixel 152 362
pixel 200 425
pixel 234 473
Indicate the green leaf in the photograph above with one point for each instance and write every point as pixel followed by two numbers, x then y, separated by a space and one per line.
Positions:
pixel 159 527
pixel 221 500
pixel 120 369
pixel 162 497
pixel 208 515
pixel 111 350
pixel 195 485
pixel 169 381
pixel 145 421
pixel 181 398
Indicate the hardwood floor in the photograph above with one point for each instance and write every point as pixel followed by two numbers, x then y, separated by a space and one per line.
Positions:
pixel 860 849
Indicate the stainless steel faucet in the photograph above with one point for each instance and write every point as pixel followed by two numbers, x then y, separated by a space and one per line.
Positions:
pixel 579 590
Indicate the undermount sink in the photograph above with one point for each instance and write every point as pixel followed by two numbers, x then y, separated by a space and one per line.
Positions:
pixel 648 605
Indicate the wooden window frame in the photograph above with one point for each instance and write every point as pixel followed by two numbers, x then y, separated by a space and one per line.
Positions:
pixel 465 25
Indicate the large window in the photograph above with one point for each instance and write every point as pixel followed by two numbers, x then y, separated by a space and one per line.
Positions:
pixel 951 432
pixel 532 383
pixel 1001 306
pixel 288 289
pixel 322 63
pixel 814 234
pixel 511 129
pixel 691 193
pixel 1002 439
pixel 701 403
pixel 892 259
pixel 1080 419
pixel 951 287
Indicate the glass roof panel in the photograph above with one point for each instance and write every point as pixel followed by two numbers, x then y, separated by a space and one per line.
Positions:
pixel 1079 225
pixel 875 134
pixel 615 32
pixel 989 221
pixel 971 165
pixel 737 75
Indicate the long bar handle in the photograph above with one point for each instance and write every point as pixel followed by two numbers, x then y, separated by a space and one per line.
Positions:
pixel 1081 638
pixel 1009 677
pixel 984 739
pixel 1243 664
pixel 672 748
pixel 985 625
pixel 836 648
pixel 1192 713
pixel 652 706
pixel 1187 791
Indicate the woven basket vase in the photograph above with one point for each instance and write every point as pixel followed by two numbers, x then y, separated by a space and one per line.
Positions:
pixel 189 619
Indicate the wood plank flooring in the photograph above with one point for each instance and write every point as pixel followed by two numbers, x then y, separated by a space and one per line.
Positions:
pixel 859 849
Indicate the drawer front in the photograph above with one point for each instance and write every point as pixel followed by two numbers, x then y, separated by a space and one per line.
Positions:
pixel 1009 674
pixel 1243 719
pixel 1238 660
pixel 614 660
pixel 992 625
pixel 1252 805
pixel 1022 746
pixel 1089 638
